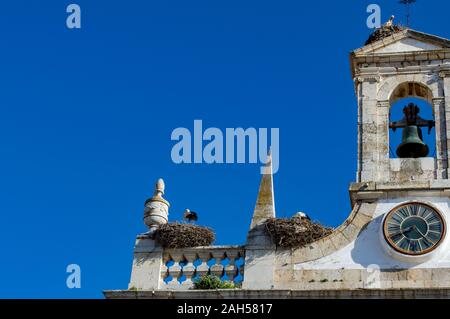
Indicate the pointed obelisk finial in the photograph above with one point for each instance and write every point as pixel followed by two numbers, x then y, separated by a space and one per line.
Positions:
pixel 260 250
pixel 265 203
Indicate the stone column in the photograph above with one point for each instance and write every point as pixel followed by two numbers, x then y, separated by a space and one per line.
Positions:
pixel 359 139
pixel 383 141
pixel 446 120
pixel 441 138
pixel 367 127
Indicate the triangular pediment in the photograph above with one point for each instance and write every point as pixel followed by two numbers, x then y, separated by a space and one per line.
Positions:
pixel 405 41
pixel 407 45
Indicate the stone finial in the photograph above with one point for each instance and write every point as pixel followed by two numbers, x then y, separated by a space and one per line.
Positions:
pixel 159 188
pixel 265 203
pixel 156 210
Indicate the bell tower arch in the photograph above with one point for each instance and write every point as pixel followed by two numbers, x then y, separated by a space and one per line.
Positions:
pixel 386 72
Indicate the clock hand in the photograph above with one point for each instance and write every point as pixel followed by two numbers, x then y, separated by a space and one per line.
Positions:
pixel 418 230
pixel 402 231
pixel 407 229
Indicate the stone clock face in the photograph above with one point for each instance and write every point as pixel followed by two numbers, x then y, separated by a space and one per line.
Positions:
pixel 414 228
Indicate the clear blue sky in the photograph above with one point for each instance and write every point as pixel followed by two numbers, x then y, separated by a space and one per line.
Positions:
pixel 86 119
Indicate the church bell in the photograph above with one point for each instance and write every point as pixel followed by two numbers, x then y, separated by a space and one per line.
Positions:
pixel 412 145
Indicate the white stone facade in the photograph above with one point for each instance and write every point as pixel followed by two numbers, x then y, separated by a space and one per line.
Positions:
pixel 355 259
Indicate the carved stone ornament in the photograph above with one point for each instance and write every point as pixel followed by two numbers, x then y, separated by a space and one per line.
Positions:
pixel 156 211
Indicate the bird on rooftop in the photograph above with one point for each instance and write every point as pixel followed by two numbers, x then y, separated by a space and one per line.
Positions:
pixel 301 215
pixel 390 23
pixel 190 216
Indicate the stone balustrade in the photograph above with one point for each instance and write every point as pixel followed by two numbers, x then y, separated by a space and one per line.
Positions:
pixel 181 267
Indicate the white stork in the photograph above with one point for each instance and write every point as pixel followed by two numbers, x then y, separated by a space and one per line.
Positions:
pixel 301 215
pixel 190 216
pixel 390 23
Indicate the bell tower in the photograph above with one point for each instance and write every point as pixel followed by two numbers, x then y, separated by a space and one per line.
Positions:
pixel 391 67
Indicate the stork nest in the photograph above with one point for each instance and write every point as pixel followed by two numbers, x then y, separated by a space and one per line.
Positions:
pixel 295 232
pixel 383 32
pixel 178 235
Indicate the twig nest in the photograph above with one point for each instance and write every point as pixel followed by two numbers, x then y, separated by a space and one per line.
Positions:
pixel 178 235
pixel 383 32
pixel 295 232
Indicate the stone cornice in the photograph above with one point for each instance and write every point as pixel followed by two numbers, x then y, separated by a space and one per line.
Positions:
pixel 438 100
pixel 429 55
pixel 368 78
pixel 375 73
pixel 385 103
pixel 357 61
pixel 444 74
pixel 367 192
pixel 182 295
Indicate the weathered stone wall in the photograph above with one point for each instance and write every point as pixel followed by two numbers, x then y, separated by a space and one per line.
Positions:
pixel 323 279
pixel 407 169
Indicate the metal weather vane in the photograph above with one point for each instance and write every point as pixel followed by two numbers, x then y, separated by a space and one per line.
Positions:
pixel 408 4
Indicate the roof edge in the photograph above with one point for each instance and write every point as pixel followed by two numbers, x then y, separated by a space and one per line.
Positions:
pixel 418 35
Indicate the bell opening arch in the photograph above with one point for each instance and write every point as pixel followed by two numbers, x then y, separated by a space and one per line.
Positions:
pixel 412 90
pixel 411 102
pixel 415 127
